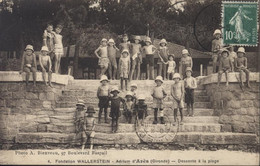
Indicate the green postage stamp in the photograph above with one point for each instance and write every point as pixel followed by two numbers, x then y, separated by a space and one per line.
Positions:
pixel 240 23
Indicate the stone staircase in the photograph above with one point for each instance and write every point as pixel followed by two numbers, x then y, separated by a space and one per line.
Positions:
pixel 203 128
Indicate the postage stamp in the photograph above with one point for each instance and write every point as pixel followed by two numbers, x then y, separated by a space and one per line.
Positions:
pixel 240 23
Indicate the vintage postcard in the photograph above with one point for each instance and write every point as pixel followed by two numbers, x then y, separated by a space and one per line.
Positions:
pixel 129 82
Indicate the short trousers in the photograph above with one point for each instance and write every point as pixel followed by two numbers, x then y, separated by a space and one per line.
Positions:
pixel 189 96
pixel 46 69
pixel 176 104
pixel 103 102
pixel 244 70
pixel 171 70
pixel 136 61
pixel 103 62
pixel 158 103
pixel 112 62
pixel 141 114
pixel 115 112
pixel 225 70
pixel 128 113
pixel 29 69
pixel 150 59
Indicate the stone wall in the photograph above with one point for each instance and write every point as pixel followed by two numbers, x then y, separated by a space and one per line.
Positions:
pixel 24 107
pixel 237 108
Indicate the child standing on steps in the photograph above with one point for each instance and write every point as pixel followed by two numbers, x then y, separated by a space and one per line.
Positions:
pixel 158 95
pixel 45 63
pixel 177 93
pixel 111 51
pixel 163 54
pixel 216 46
pixel 137 59
pixel 58 48
pixel 103 60
pixel 149 51
pixel 171 66
pixel 140 110
pixel 115 108
pixel 225 65
pixel 79 116
pixel 128 107
pixel 103 94
pixel 124 66
pixel 29 64
pixel 89 127
pixel 133 88
pixel 186 61
pixel 190 84
pixel 241 65
pixel 125 45
pixel 232 57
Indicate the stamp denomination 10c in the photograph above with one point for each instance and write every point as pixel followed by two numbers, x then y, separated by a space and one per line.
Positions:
pixel 240 23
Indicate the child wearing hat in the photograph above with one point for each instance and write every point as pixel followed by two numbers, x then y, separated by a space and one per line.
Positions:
pixel 115 108
pixel 125 45
pixel 186 61
pixel 124 68
pixel 140 109
pixel 79 116
pixel 232 57
pixel 89 127
pixel 133 89
pixel 103 60
pixel 137 59
pixel 163 53
pixel 215 47
pixel 29 64
pixel 111 52
pixel 190 84
pixel 103 94
pixel 149 51
pixel 158 95
pixel 171 66
pixel 241 65
pixel 177 93
pixel 58 47
pixel 45 63
pixel 128 107
pixel 225 65
pixel 48 40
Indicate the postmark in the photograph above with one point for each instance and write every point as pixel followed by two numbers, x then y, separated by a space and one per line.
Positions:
pixel 159 133
pixel 240 23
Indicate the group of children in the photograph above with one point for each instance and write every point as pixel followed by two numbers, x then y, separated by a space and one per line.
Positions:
pixel 49 57
pixel 228 60
pixel 131 59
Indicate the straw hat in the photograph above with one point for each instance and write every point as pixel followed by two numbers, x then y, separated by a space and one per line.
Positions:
pixel 241 49
pixel 80 102
pixel 224 50
pixel 115 88
pixel 125 50
pixel 141 97
pixel 185 51
pixel 176 75
pixel 104 40
pixel 44 48
pixel 90 109
pixel 129 94
pixel 188 69
pixel 111 41
pixel 159 78
pixel 217 31
pixel 29 47
pixel 171 55
pixel 133 85
pixel 148 39
pixel 103 78
pixel 163 41
pixel 138 38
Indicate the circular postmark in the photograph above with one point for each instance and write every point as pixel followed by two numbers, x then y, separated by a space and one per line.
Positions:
pixel 157 133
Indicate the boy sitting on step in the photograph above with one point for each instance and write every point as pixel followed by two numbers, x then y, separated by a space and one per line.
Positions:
pixel 79 116
pixel 103 94
pixel 89 127
pixel 241 65
pixel 225 65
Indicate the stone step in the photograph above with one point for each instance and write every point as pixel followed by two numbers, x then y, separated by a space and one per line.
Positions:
pixel 132 138
pixel 61 128
pixel 58 120
pixel 167 104
pixel 148 99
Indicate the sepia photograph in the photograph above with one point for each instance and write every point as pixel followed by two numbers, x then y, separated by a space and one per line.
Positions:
pixel 129 82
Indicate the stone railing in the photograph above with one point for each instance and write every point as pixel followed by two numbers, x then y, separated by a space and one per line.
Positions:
pixel 238 107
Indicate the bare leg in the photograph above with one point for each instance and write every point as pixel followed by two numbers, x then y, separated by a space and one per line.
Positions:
pixel 44 77
pixel 219 76
pixel 114 72
pixel 148 71
pixel 175 114
pixel 152 72
pixel 132 71
pixel 160 69
pixel 168 76
pixel 27 77
pixel 181 114
pixel 247 78
pixel 122 83
pixel 50 78
pixel 138 71
pixel 58 63
pixel 34 78
pixel 110 70
pixel 215 64
pixel 164 71
pixel 241 77
pixel 125 83
pixel 226 73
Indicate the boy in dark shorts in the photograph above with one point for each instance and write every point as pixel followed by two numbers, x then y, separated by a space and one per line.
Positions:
pixel 128 107
pixel 149 51
pixel 241 65
pixel 190 84
pixel 115 108
pixel 103 94
pixel 225 65
pixel 29 64
pixel 89 127
pixel 45 63
pixel 140 110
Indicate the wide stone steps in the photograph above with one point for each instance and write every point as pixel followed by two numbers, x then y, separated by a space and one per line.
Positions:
pixel 132 138
pixel 167 104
